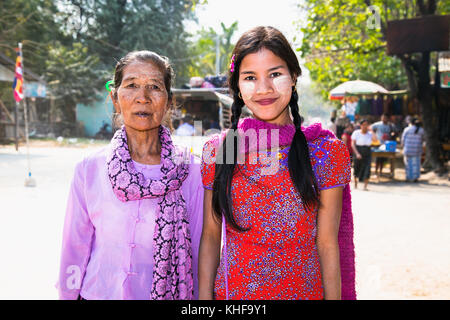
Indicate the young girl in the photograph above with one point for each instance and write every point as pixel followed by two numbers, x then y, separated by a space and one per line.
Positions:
pixel 281 226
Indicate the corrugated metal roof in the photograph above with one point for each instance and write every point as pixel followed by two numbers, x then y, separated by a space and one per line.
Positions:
pixel 10 64
pixel 6 74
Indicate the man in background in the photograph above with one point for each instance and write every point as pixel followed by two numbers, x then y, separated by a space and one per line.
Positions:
pixel 186 127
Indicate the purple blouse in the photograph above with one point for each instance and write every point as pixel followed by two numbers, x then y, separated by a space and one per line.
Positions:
pixel 107 244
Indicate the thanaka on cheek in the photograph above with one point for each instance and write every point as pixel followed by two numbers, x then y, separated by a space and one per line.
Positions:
pixel 283 84
pixel 247 90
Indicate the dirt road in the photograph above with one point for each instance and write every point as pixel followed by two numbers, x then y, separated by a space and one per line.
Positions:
pixel 402 241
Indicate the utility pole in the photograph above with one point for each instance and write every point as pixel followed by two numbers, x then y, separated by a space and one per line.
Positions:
pixel 217 55
pixel 29 181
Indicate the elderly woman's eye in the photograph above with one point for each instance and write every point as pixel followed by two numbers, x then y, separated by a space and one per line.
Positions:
pixel 131 85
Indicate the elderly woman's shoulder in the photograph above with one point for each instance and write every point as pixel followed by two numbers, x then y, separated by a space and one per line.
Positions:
pixel 93 159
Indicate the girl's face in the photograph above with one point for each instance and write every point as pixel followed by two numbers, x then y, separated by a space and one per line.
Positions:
pixel 266 85
pixel 142 98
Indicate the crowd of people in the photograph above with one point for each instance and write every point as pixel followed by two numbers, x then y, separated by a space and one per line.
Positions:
pixel 363 137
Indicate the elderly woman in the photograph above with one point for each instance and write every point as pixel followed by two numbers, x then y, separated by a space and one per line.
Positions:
pixel 134 214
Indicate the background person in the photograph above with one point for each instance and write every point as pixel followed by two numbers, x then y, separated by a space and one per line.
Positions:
pixel 341 123
pixel 412 144
pixel 347 138
pixel 383 130
pixel 350 107
pixel 186 127
pixel 361 141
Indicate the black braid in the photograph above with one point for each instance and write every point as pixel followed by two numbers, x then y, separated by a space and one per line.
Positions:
pixel 293 103
pixel 300 168
pixel 221 199
pixel 236 110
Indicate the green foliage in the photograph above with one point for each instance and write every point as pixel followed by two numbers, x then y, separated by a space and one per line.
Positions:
pixel 344 40
pixel 111 29
pixel 67 71
pixel 203 50
pixel 75 44
pixel 29 22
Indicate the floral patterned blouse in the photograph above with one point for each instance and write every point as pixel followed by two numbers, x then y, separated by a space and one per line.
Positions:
pixel 277 258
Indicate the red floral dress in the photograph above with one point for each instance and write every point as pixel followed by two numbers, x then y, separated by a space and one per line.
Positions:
pixel 277 258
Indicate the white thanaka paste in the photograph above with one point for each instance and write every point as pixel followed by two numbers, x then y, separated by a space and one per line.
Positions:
pixel 283 84
pixel 247 89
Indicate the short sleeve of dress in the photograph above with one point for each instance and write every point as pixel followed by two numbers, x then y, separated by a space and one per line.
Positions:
pixel 336 169
pixel 208 162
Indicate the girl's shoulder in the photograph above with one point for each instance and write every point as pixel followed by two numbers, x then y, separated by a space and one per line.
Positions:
pixel 211 146
pixel 330 160
pixel 214 140
pixel 208 160
pixel 327 143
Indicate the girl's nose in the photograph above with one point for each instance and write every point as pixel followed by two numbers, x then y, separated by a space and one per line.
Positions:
pixel 264 86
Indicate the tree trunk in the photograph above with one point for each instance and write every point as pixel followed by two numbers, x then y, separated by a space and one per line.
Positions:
pixel 429 113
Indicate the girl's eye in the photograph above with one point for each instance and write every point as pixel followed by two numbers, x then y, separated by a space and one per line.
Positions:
pixel 275 74
pixel 250 78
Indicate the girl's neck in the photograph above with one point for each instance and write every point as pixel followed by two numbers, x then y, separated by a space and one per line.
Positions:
pixel 283 134
pixel 283 119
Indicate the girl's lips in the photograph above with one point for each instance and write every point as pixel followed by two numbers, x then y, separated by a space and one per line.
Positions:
pixel 265 102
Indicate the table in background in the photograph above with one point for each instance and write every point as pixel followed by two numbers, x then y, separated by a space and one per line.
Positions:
pixel 391 155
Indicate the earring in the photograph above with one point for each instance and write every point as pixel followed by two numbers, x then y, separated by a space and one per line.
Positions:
pixel 239 95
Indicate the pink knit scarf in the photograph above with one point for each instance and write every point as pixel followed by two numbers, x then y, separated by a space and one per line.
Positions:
pixel 172 273
pixel 345 236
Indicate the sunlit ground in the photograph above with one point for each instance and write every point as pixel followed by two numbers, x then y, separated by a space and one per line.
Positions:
pixel 402 231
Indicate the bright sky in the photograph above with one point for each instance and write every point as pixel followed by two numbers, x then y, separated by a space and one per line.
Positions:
pixel 281 14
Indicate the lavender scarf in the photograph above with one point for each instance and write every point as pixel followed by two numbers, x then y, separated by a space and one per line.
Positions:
pixel 172 273
pixel 345 235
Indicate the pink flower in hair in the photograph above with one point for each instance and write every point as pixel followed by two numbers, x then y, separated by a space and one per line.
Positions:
pixel 232 63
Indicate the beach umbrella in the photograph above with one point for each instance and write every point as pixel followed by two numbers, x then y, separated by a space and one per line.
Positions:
pixel 356 87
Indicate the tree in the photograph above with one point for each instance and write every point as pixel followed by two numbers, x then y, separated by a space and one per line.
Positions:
pixel 346 40
pixel 49 51
pixel 31 23
pixel 75 44
pixel 113 28
pixel 203 50
pixel 68 68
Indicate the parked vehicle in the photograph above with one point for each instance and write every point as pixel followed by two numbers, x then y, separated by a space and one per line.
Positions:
pixel 212 106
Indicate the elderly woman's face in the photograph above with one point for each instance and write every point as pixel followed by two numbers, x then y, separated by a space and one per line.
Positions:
pixel 142 97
